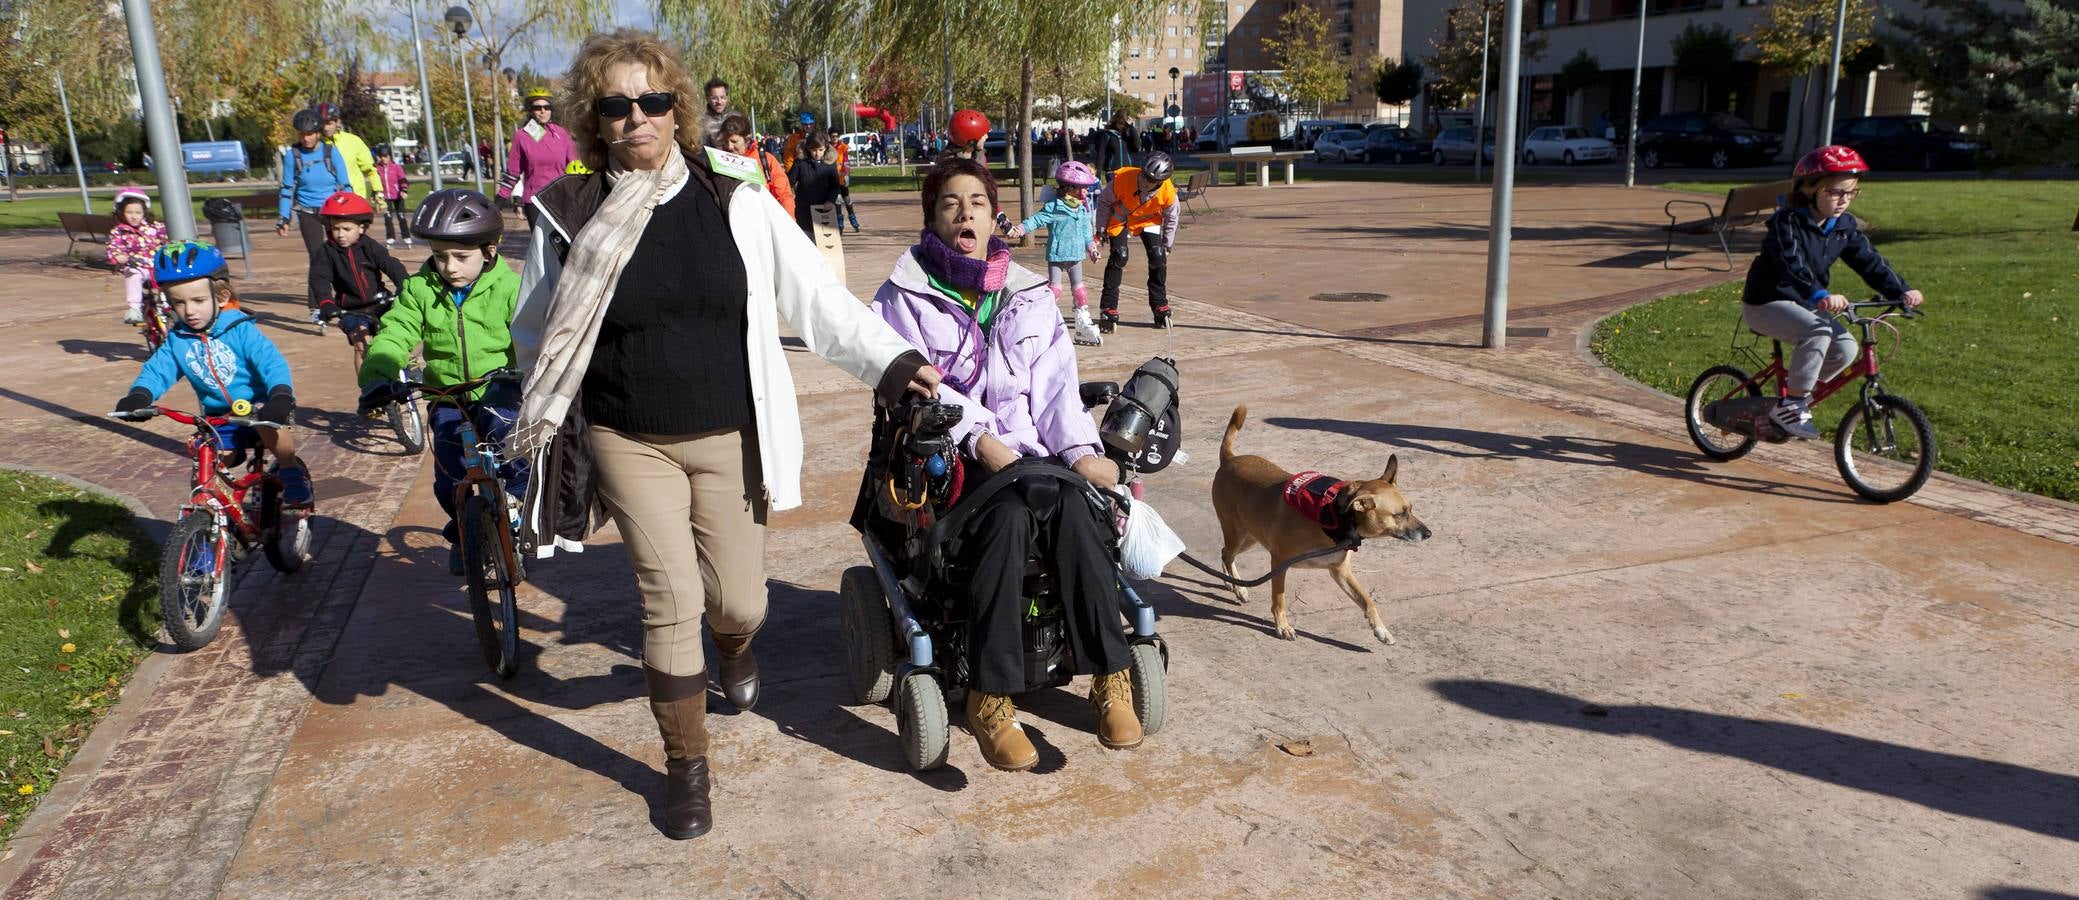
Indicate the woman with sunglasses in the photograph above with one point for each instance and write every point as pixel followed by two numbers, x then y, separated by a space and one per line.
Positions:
pixel 649 324
pixel 541 150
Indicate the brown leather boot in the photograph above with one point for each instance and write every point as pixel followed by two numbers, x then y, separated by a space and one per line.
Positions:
pixel 995 723
pixel 738 669
pixel 1112 696
pixel 680 704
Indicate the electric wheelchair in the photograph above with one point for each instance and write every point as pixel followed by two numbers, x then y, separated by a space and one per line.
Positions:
pixel 903 623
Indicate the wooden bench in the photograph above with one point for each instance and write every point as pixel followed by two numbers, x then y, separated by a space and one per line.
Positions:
pixel 259 204
pixel 91 228
pixel 1195 189
pixel 1742 206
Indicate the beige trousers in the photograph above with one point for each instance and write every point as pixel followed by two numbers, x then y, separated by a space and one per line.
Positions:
pixel 691 510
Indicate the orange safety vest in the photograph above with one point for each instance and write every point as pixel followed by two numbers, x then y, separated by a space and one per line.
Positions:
pixel 1125 186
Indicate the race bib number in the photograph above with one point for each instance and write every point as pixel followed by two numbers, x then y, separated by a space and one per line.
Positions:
pixel 741 168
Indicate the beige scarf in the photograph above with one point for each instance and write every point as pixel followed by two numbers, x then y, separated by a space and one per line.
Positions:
pixel 585 286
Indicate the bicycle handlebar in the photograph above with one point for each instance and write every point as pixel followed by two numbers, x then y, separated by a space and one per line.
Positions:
pixel 505 375
pixel 187 418
pixel 1904 311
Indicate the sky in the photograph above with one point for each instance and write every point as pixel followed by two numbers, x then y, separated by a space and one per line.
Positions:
pixel 549 55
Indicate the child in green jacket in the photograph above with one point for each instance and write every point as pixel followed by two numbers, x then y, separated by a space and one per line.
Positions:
pixel 460 307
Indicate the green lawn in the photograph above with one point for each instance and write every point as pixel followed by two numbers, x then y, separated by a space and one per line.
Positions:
pixel 1996 361
pixel 77 612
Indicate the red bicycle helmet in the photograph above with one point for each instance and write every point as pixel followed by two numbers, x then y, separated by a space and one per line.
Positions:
pixel 1832 159
pixel 347 205
pixel 968 127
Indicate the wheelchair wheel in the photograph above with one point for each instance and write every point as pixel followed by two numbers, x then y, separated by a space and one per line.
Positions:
pixel 1150 687
pixel 920 713
pixel 868 635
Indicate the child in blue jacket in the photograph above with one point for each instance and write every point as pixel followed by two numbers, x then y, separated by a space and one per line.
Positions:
pixel 224 355
pixel 312 170
pixel 1070 222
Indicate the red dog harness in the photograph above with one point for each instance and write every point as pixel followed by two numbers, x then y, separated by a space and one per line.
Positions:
pixel 1319 498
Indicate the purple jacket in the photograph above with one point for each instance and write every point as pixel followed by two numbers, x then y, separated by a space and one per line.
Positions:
pixel 1018 382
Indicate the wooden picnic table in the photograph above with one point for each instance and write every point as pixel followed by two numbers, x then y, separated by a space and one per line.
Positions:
pixel 1261 157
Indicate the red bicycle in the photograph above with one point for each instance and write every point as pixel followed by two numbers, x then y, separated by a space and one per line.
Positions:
pixel 157 318
pixel 1884 447
pixel 224 519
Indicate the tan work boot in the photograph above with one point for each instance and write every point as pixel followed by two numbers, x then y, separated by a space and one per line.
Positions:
pixel 1112 696
pixel 995 723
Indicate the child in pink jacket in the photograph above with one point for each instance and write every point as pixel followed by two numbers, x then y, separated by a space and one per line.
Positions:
pixel 131 243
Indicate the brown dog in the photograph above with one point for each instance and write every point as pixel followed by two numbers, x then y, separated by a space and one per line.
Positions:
pixel 1248 496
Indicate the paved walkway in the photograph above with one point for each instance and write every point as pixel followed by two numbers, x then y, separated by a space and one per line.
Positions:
pixel 1622 671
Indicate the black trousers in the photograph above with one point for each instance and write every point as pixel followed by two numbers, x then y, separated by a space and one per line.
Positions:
pixel 1158 272
pixel 1086 585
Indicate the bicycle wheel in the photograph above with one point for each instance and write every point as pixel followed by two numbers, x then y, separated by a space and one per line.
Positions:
pixel 486 547
pixel 1885 448
pixel 191 581
pixel 1717 383
pixel 287 543
pixel 410 424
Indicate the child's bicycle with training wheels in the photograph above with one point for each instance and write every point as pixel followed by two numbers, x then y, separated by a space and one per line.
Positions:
pixel 226 516
pixel 1884 447
pixel 157 318
pixel 485 522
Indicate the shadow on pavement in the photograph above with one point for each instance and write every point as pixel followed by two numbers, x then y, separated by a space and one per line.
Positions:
pixel 1169 601
pixel 800 629
pixel 2046 803
pixel 1404 342
pixel 112 351
pixel 2008 892
pixel 1468 444
pixel 140 433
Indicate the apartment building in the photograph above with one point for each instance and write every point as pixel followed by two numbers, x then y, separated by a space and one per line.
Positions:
pixel 398 96
pixel 1608 30
pixel 1234 45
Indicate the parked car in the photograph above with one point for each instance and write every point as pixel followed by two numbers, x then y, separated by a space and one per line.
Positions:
pixel 1567 144
pixel 995 143
pixel 1714 139
pixel 1342 145
pixel 456 162
pixel 1392 143
pixel 1456 145
pixel 1309 131
pixel 1908 142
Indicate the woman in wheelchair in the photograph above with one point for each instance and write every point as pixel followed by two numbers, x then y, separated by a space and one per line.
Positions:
pixel 993 329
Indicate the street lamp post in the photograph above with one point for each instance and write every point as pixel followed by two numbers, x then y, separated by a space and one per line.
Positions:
pixel 179 213
pixel 1833 72
pixel 1631 127
pixel 1480 102
pixel 458 19
pixel 418 51
pixel 79 166
pixel 1494 325
pixel 505 91
pixel 1176 98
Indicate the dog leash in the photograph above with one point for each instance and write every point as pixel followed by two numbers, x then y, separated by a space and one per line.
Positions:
pixel 1340 546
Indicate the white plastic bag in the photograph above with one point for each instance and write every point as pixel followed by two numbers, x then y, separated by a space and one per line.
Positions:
pixel 1149 543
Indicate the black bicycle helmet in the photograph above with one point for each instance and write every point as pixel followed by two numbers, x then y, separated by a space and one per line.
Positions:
pixel 458 215
pixel 1158 166
pixel 306 121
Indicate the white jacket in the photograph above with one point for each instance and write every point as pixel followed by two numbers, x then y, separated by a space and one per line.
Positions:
pixel 787 277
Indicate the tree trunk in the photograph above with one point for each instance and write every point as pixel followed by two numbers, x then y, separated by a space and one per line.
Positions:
pixel 801 67
pixel 1024 143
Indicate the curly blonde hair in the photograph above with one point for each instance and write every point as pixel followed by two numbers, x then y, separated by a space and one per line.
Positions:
pixel 586 82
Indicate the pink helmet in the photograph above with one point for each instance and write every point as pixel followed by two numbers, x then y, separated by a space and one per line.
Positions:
pixel 1075 174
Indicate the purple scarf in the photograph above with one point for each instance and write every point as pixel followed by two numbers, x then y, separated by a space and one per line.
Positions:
pixel 963 272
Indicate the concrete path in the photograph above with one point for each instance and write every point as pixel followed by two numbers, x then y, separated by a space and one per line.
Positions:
pixel 1622 672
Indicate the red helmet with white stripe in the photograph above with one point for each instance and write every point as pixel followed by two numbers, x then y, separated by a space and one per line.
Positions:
pixel 1832 159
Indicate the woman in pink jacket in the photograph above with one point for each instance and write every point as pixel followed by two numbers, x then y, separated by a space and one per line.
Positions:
pixel 392 186
pixel 991 327
pixel 541 151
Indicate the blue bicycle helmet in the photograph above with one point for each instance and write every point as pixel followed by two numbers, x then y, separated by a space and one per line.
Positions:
pixel 808 118
pixel 186 261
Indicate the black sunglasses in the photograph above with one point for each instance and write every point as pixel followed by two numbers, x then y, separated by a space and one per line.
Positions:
pixel 539 107
pixel 654 103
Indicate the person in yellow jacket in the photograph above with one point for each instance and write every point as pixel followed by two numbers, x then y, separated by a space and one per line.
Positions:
pixel 1138 201
pixel 360 162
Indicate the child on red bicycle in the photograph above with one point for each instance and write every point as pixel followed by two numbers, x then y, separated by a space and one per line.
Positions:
pixel 1787 296
pixel 224 355
pixel 131 243
pixel 460 306
pixel 346 274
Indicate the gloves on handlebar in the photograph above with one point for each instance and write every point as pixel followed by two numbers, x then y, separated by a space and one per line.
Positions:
pixel 280 403
pixel 377 395
pixel 328 310
pixel 137 399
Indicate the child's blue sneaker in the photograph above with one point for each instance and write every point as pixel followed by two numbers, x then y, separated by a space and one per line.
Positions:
pixel 295 485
